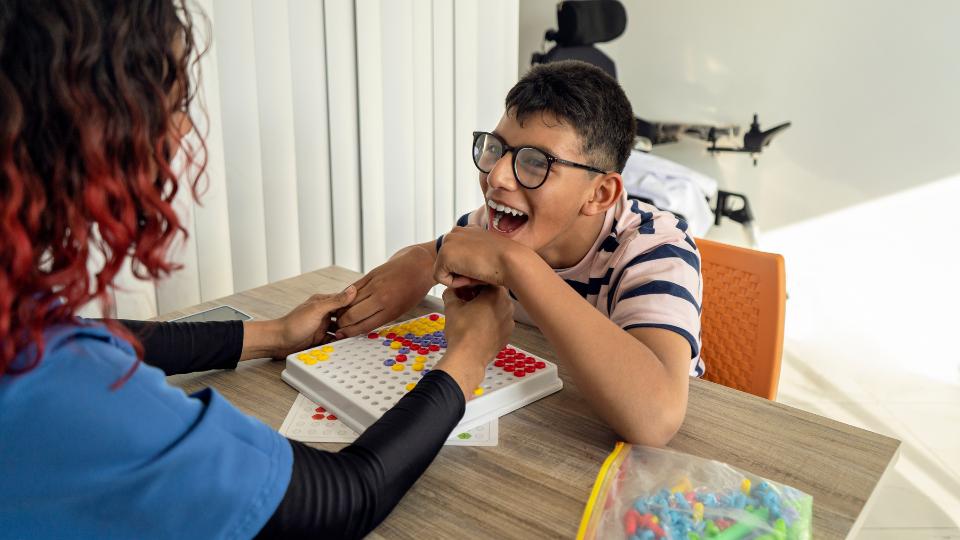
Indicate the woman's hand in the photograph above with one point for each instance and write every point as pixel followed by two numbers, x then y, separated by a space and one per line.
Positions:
pixel 476 331
pixel 305 326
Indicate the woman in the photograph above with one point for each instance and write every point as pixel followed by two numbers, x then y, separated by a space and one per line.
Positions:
pixel 93 97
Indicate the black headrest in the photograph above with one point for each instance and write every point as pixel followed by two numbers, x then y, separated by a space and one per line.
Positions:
pixel 584 53
pixel 584 22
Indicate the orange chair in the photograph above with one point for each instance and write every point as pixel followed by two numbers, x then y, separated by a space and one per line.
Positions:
pixel 744 296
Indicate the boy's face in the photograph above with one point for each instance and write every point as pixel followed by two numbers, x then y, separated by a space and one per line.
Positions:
pixel 552 210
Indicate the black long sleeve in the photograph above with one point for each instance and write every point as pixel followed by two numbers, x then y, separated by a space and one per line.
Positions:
pixel 186 347
pixel 342 494
pixel 348 493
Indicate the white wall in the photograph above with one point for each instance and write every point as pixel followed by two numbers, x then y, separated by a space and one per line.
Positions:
pixel 536 17
pixel 338 132
pixel 871 89
pixel 334 136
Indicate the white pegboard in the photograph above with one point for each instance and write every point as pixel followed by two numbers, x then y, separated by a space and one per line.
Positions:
pixel 358 378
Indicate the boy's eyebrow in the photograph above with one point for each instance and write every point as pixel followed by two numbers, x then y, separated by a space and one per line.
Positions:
pixel 550 151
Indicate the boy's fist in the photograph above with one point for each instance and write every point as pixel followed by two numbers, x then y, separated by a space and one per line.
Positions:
pixel 473 256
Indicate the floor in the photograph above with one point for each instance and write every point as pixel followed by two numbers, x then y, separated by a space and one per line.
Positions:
pixel 870 341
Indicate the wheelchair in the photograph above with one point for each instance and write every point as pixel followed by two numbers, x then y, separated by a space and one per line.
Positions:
pixel 583 23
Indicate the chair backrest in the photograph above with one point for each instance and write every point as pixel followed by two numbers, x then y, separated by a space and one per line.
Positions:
pixel 744 299
pixel 584 53
pixel 581 24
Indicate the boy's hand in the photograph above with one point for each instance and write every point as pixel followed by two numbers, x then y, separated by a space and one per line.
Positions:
pixel 304 327
pixel 387 292
pixel 472 256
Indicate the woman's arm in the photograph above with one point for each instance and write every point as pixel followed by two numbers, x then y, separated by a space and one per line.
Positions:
pixel 347 494
pixel 186 347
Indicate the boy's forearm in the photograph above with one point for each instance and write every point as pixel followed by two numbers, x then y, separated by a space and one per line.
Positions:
pixel 426 255
pixel 625 382
pixel 427 249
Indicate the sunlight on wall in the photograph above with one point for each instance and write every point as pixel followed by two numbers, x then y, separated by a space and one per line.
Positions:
pixel 878 282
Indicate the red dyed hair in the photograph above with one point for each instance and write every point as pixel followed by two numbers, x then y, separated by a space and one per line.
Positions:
pixel 90 96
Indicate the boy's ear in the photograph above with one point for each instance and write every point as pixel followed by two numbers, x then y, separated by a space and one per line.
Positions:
pixel 606 192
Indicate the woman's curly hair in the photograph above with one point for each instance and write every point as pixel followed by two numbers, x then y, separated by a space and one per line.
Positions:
pixel 94 98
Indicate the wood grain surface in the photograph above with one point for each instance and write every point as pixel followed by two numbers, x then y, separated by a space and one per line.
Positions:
pixel 536 482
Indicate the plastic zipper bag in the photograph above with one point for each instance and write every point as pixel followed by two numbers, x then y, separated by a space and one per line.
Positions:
pixel 644 493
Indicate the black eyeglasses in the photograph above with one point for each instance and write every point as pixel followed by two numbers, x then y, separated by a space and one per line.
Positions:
pixel 531 165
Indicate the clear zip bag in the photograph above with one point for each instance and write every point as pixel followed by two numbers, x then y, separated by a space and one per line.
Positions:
pixel 644 493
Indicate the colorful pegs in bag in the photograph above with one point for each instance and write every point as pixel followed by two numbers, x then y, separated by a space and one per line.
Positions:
pixel 690 513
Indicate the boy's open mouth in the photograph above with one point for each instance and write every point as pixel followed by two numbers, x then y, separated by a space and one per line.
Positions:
pixel 505 219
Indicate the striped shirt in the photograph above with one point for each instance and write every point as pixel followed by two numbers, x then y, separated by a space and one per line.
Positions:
pixel 643 271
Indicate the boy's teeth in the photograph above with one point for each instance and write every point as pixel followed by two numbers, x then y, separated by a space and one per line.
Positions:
pixel 504 208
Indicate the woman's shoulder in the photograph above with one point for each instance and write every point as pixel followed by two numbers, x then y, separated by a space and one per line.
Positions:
pixel 85 330
pixel 91 422
pixel 78 339
pixel 77 360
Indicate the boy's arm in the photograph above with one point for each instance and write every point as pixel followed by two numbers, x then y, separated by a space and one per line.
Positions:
pixel 395 286
pixel 635 380
pixel 389 290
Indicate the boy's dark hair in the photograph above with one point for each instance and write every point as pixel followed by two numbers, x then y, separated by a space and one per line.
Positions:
pixel 584 96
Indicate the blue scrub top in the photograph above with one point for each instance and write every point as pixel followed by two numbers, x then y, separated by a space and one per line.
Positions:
pixel 78 460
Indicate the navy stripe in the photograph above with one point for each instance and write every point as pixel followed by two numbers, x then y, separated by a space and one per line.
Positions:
pixel 694 347
pixel 682 225
pixel 661 287
pixel 661 252
pixel 646 226
pixel 646 219
pixel 593 286
pixel 610 244
pixel 667 251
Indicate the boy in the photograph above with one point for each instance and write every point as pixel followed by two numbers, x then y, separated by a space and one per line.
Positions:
pixel 613 284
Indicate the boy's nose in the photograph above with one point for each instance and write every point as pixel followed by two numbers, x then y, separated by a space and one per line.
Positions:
pixel 501 175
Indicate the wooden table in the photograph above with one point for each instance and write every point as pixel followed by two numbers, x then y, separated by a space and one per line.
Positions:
pixel 536 482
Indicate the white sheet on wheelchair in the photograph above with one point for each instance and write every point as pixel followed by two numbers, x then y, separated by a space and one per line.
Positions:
pixel 673 187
